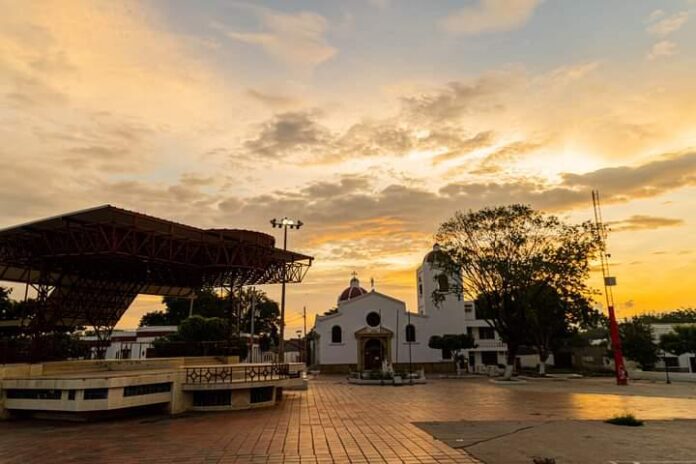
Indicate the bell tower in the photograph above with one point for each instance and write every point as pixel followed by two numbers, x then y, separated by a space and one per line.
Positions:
pixel 432 277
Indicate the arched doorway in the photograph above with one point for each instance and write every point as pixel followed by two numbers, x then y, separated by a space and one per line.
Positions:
pixel 373 354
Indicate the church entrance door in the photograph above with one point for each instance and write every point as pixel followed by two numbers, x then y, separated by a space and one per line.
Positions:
pixel 373 354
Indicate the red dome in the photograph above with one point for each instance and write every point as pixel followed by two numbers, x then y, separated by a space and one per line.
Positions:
pixel 353 291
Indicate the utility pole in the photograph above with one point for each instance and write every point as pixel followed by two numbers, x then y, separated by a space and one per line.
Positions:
pixel 284 224
pixel 609 282
pixel 191 298
pixel 304 319
pixel 251 335
pixel 410 356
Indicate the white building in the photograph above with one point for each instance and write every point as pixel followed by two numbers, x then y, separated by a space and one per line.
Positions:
pixel 683 363
pixel 368 328
pixel 133 344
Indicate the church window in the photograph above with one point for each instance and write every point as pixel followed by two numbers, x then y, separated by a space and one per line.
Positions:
pixel 336 334
pixel 443 283
pixel 373 319
pixel 410 333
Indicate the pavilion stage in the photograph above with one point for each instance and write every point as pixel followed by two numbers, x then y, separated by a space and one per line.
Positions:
pixel 87 267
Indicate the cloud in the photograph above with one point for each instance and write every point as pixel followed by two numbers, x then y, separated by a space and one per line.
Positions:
pixel 490 16
pixel 480 140
pixel 459 98
pixel 655 15
pixel 668 25
pixel 494 161
pixel 650 179
pixel 661 49
pixel 272 100
pixel 291 133
pixel 644 222
pixel 342 209
pixel 296 39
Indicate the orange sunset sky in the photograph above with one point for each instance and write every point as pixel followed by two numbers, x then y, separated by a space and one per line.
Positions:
pixel 371 120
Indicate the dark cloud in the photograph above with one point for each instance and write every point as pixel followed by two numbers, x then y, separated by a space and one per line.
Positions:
pixel 461 147
pixel 271 100
pixel 643 222
pixel 647 180
pixel 291 133
pixel 348 206
pixel 495 161
pixel 459 98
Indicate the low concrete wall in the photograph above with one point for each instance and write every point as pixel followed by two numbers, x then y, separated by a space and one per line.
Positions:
pixel 91 365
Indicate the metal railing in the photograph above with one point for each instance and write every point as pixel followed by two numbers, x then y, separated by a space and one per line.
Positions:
pixel 237 373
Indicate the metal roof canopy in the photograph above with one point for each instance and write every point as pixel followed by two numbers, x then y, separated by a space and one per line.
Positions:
pixel 89 265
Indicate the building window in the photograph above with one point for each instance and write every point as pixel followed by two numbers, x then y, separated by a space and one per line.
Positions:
pixel 147 389
pixel 489 358
pixel 96 393
pixel 212 398
pixel 336 334
pixel 410 333
pixel 420 289
pixel 33 394
pixel 373 319
pixel 71 395
pixel 446 353
pixel 443 283
pixel 486 333
pixel 468 307
pixel 261 395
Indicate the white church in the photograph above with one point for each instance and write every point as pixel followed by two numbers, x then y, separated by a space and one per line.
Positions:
pixel 369 328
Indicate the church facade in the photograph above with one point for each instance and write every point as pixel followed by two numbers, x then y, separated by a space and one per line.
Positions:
pixel 369 327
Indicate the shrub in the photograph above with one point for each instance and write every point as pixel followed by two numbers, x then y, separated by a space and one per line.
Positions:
pixel 628 420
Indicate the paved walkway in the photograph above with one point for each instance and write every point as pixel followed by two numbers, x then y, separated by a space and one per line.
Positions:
pixel 333 422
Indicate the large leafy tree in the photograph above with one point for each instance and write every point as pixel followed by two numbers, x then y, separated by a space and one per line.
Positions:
pixel 678 316
pixel 681 340
pixel 210 304
pixel 507 255
pixel 207 303
pixel 452 343
pixel 637 342
pixel 552 320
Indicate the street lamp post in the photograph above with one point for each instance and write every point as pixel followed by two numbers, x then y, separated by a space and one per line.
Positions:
pixel 284 224
pixel 664 359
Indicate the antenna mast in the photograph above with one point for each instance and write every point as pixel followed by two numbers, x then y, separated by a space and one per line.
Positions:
pixel 609 282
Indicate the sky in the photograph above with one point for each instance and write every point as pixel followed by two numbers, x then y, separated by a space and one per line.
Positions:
pixel 372 121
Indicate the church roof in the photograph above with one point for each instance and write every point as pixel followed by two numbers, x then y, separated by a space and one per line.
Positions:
pixel 354 290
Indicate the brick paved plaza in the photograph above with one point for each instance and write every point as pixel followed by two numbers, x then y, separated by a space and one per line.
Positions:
pixel 334 422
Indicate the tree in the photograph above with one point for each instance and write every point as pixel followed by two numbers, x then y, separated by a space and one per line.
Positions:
pixel 201 336
pixel 552 320
pixel 637 342
pixel 202 329
pixel 507 255
pixel 678 316
pixel 209 304
pixel 681 340
pixel 452 343
pixel 5 303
